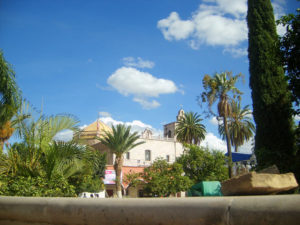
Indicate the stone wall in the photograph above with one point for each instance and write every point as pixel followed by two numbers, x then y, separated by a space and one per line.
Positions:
pixel 258 210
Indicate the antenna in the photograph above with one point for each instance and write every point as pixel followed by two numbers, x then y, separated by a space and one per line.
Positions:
pixel 98 122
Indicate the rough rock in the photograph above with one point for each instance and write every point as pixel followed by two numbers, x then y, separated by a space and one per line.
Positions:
pixel 259 184
pixel 272 169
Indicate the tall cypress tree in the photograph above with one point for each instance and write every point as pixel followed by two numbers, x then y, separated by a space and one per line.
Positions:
pixel 274 140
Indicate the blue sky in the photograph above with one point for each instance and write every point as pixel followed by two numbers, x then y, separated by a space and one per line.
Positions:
pixel 133 61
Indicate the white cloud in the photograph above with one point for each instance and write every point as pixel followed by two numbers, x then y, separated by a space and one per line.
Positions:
pixel 104 114
pixel 214 143
pixel 214 28
pixel 297 118
pixel 175 28
pixel 142 85
pixel 109 121
pixel 246 147
pixel 281 30
pixel 279 11
pixel 83 126
pixel 237 8
pixel 236 52
pixel 136 125
pixel 129 80
pixel 214 121
pixel 147 104
pixel 65 135
pixel 137 62
pixel 215 23
pixel 209 25
pixel 279 8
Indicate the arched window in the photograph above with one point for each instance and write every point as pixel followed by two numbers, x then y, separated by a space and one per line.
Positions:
pixel 147 155
pixel 169 134
pixel 168 158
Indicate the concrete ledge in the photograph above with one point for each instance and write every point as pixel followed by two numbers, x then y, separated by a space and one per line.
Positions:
pixel 281 209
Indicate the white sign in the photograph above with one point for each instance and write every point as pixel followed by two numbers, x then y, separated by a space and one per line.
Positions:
pixel 110 177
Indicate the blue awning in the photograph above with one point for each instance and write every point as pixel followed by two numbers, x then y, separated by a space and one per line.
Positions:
pixel 237 157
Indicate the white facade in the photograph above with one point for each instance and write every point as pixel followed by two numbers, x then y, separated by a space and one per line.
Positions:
pixel 167 149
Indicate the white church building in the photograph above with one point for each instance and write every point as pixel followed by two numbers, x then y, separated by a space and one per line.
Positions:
pixel 139 157
pixel 165 146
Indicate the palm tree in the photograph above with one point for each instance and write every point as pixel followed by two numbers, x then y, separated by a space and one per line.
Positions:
pixel 9 98
pixel 40 133
pixel 37 142
pixel 240 126
pixel 8 128
pixel 120 141
pixel 217 88
pixel 37 138
pixel 189 129
pixel 63 159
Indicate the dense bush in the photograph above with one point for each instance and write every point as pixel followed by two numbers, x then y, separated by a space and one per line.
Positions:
pixel 200 164
pixel 163 179
pixel 35 186
pixel 63 169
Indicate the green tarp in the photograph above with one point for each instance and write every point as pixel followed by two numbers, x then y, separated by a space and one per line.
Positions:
pixel 206 188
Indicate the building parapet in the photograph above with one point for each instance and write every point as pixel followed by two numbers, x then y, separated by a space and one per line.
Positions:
pixel 259 210
pixel 159 138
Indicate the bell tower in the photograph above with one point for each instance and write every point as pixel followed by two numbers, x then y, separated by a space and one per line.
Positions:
pixel 180 115
pixel 169 129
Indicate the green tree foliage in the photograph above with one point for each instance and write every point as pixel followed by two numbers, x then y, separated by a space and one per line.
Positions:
pixel 38 133
pixel 290 48
pixel 274 139
pixel 133 179
pixel 88 179
pixel 240 125
pixel 189 129
pixel 35 187
pixel 66 164
pixel 9 99
pixel 163 179
pixel 120 141
pixel 7 130
pixel 9 91
pixel 62 168
pixel 218 88
pixel 62 159
pixel 200 164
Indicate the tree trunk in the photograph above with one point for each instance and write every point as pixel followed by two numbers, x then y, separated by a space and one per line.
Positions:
pixel 236 148
pixel 118 168
pixel 1 146
pixel 228 146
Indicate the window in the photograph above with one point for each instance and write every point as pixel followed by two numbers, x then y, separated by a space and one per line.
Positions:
pixel 141 193
pixel 127 155
pixel 148 155
pixel 168 158
pixel 169 134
